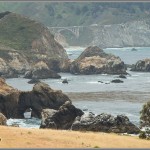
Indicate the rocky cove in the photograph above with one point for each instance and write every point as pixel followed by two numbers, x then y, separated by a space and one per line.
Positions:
pixel 57 111
pixel 88 94
pixel 43 58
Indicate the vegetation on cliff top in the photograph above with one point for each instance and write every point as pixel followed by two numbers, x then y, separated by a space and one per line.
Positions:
pixel 18 32
pixel 79 13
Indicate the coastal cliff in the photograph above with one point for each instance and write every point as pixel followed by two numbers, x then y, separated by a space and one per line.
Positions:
pixel 25 42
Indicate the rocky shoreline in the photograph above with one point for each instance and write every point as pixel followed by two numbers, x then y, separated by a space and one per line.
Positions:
pixel 57 111
pixel 43 57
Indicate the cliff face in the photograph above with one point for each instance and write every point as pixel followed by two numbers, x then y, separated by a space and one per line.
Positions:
pixel 24 42
pixel 135 33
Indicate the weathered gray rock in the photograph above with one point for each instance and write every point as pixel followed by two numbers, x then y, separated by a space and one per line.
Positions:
pixel 3 119
pixel 62 118
pixel 117 81
pixel 104 123
pixel 65 81
pixel 122 76
pixel 142 65
pixel 94 60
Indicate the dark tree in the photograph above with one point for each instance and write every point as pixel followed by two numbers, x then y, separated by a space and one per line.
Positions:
pixel 145 115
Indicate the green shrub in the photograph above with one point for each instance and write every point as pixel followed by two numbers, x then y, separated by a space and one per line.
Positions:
pixel 142 135
pixel 145 115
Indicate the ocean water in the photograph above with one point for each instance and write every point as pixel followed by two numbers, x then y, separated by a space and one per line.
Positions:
pixel 136 82
pixel 126 53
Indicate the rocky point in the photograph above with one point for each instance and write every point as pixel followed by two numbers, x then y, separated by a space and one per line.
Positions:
pixel 94 60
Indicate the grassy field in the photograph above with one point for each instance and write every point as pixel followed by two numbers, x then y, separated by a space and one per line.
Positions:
pixel 13 137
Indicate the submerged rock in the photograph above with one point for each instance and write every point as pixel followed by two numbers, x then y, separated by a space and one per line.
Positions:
pixel 117 81
pixel 122 76
pixel 104 123
pixel 94 60
pixel 61 118
pixel 133 49
pixel 65 81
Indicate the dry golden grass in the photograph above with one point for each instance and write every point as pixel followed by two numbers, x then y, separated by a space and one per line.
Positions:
pixel 13 137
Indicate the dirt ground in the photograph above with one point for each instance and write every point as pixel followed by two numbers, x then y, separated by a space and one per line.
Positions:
pixel 14 137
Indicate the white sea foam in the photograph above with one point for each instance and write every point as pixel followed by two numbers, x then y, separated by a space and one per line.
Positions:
pixel 25 123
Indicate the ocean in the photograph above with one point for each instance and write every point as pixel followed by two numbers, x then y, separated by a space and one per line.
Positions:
pixel 88 94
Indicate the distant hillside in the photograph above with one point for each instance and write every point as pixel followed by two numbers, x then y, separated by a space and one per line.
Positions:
pixel 79 13
pixel 113 24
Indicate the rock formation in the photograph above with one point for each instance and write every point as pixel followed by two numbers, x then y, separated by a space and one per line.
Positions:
pixel 104 123
pixel 122 76
pixel 94 60
pixel 142 65
pixel 12 63
pixel 13 103
pixel 117 81
pixel 57 110
pixel 62 118
pixel 25 42
pixel 65 81
pixel 41 71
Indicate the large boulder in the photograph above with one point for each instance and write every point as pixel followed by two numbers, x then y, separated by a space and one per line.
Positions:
pixel 94 60
pixel 3 120
pixel 104 123
pixel 14 103
pixel 62 118
pixel 142 65
pixel 41 71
